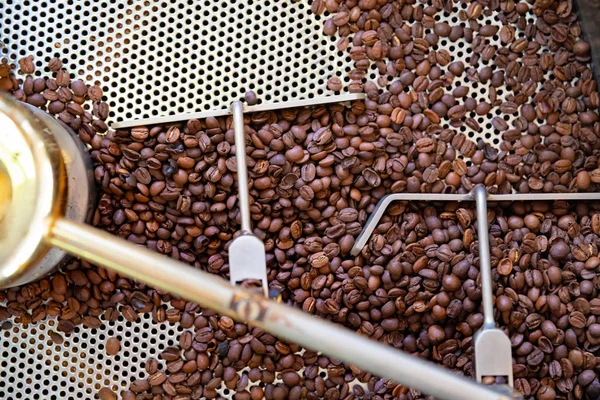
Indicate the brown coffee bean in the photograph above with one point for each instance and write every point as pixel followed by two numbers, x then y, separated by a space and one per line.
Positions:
pixel 106 394
pixel 157 378
pixel 505 266
pixel 139 385
pixel 78 87
pixel 55 64
pixel 488 30
pixel 581 48
pixel 26 65
pixel 456 68
pixel 457 112
pixel 113 345
pixel 250 97
pixel 442 29
pixel 334 84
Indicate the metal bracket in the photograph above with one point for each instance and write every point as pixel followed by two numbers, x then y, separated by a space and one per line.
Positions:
pixel 247 109
pixel 386 200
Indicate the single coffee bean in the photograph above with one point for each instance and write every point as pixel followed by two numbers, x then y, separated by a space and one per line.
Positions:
pixel 106 394
pixel 139 386
pixel 505 266
pixel 334 84
pixel 26 65
pixel 113 345
pixel 55 64
pixel 488 30
pixel 442 29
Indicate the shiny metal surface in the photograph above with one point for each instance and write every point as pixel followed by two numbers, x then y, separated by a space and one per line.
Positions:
pixel 247 258
pixel 34 180
pixel 492 347
pixel 492 355
pixel 5 193
pixel 210 291
pixel 242 168
pixel 81 184
pixel 80 188
pixel 485 268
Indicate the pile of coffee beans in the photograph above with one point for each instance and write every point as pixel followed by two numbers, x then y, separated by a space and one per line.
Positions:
pixel 316 175
pixel 70 100
pixel 532 53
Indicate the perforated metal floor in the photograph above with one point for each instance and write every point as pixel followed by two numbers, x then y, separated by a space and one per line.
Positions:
pixel 160 57
pixel 32 365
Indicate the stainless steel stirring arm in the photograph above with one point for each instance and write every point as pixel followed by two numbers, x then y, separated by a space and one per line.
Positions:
pixel 247 258
pixel 480 195
pixel 492 348
pixel 242 169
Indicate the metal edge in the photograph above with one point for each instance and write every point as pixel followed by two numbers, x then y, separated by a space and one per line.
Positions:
pixel 247 109
pixel 543 196
pixel 169 118
pixel 43 181
pixel 306 102
pixel 385 201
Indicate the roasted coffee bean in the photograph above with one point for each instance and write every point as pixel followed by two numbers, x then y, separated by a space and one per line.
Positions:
pixel 505 266
pixel 334 84
pixel 139 385
pixel 106 394
pixel 26 65
pixel 250 98
pixel 157 378
pixel 113 345
pixel 56 338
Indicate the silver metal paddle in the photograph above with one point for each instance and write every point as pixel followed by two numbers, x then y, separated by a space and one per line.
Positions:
pixel 493 353
pixel 247 259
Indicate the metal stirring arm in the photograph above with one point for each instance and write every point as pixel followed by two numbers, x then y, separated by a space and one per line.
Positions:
pixel 247 259
pixel 492 347
pixel 383 204
pixel 485 268
pixel 386 200
pixel 242 168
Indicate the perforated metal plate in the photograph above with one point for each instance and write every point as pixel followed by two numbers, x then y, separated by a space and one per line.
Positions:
pixel 461 50
pixel 165 57
pixel 33 366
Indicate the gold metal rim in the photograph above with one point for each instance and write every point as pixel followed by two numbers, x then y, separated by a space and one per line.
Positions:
pixel 33 189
